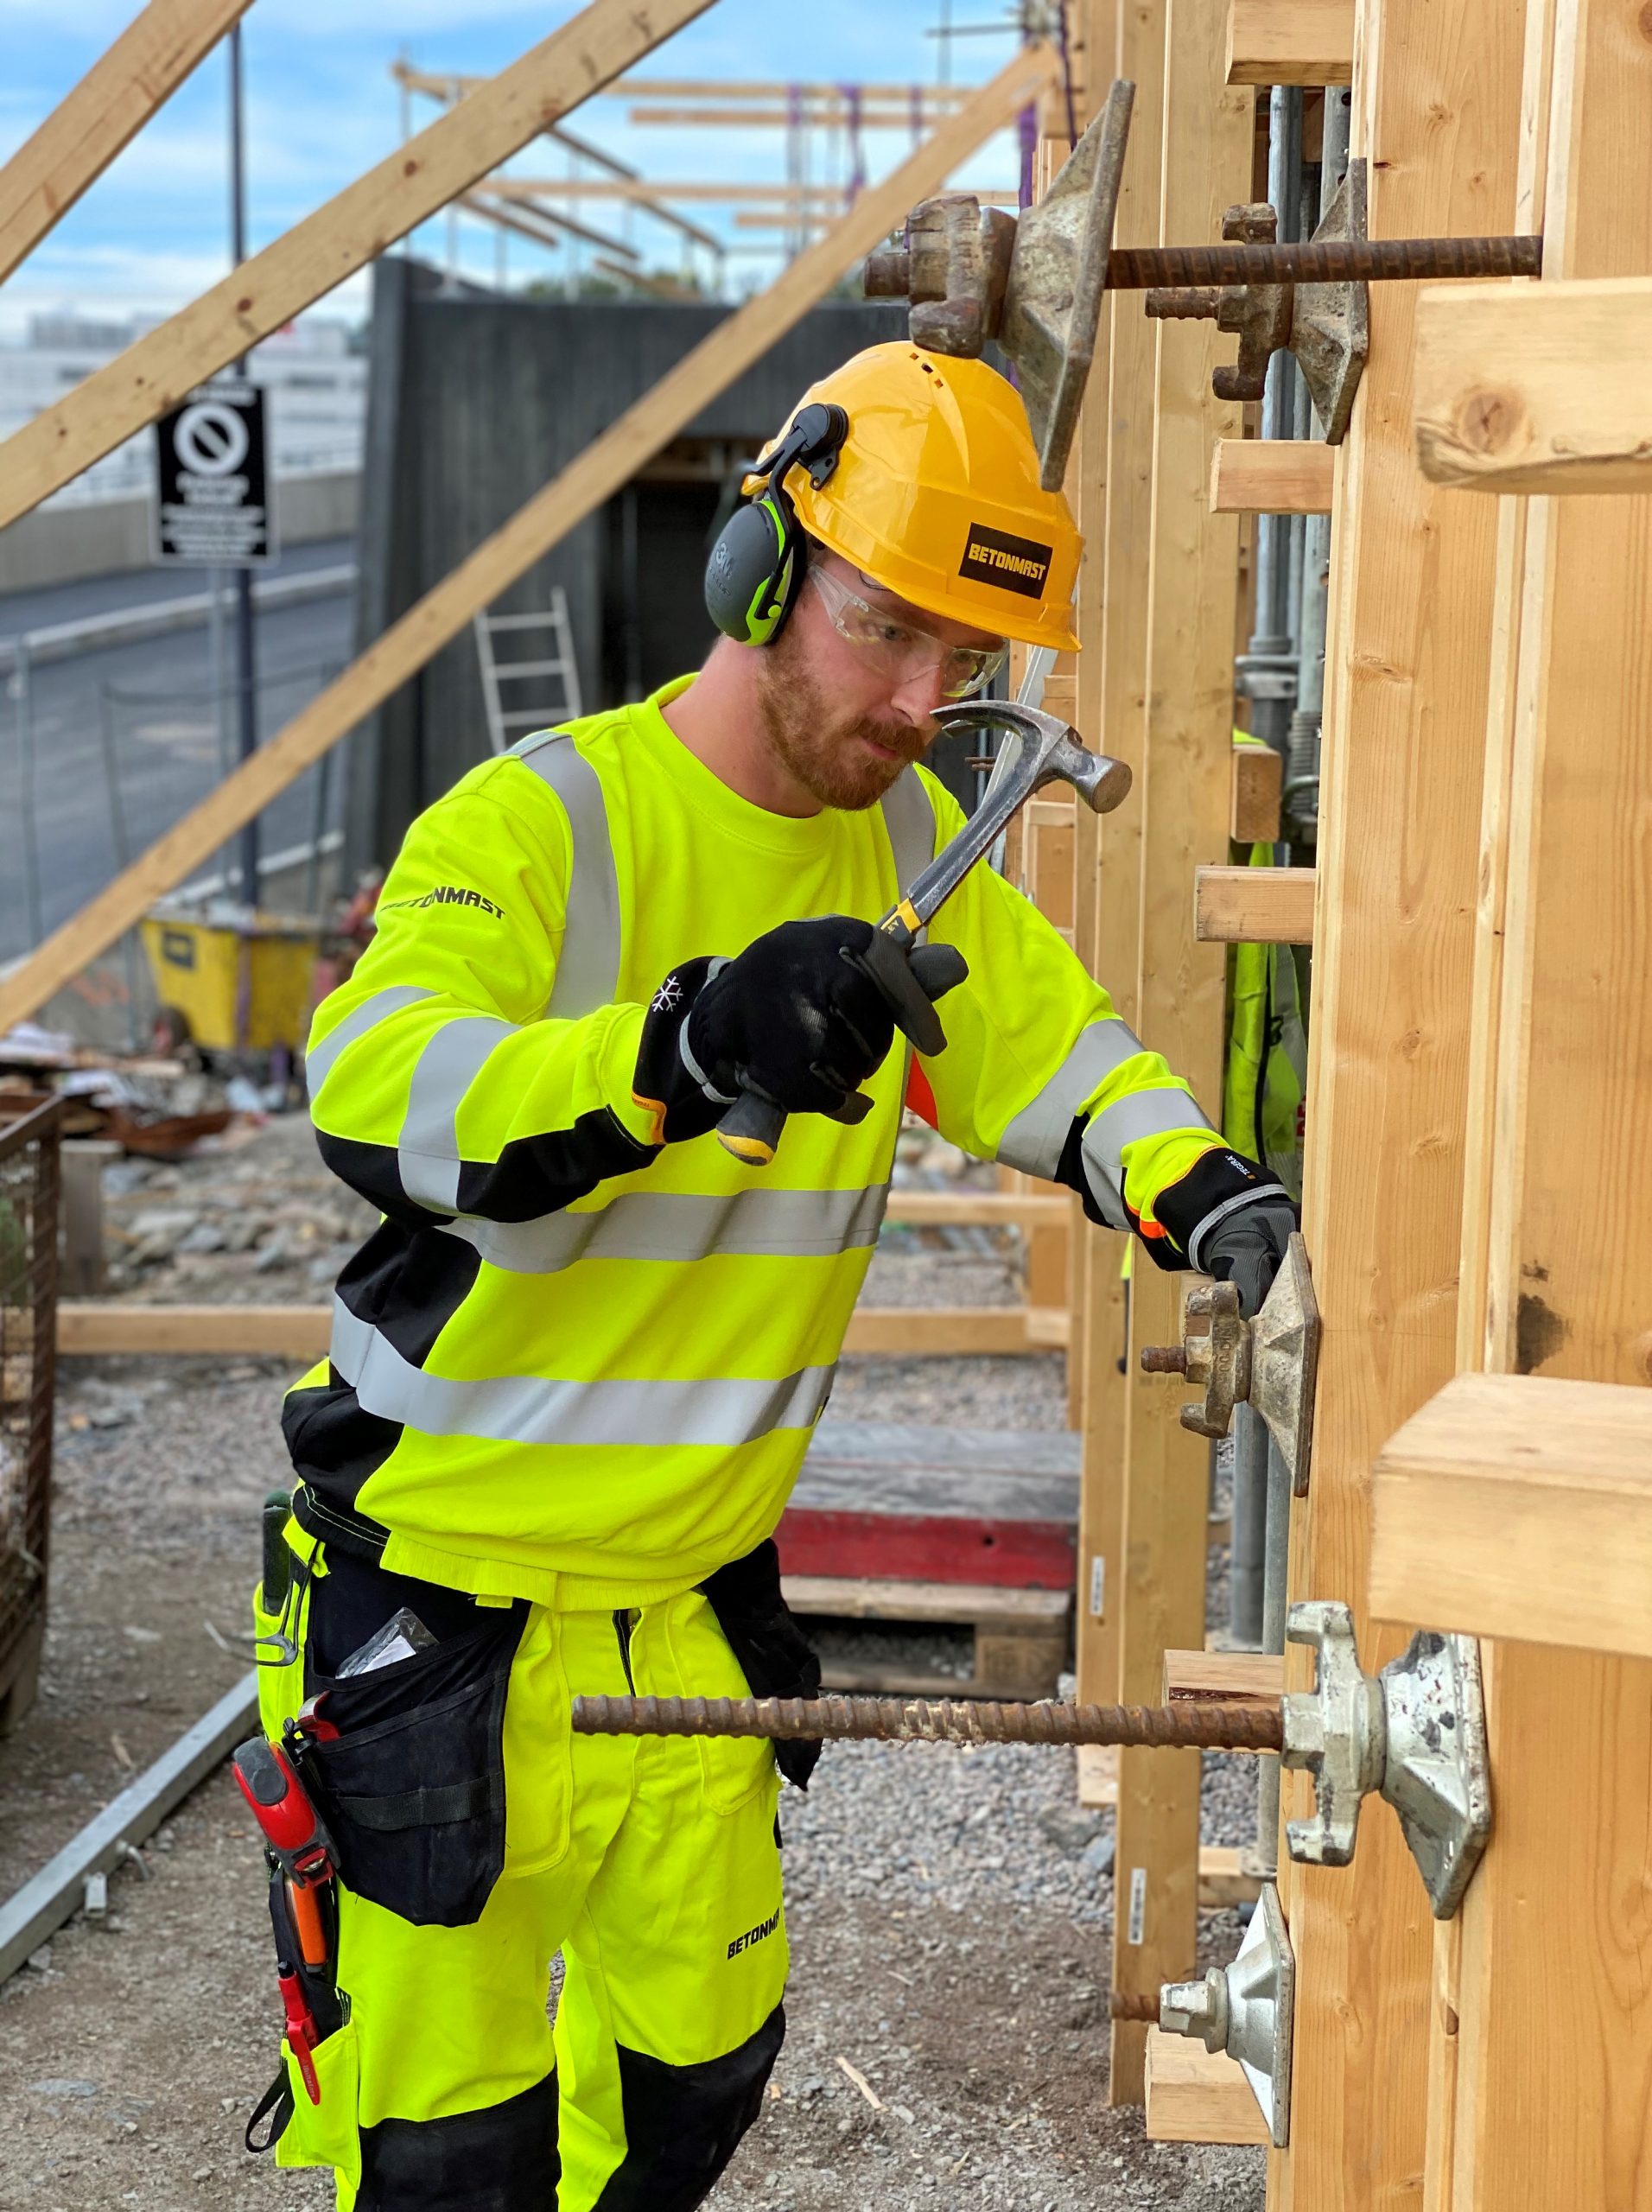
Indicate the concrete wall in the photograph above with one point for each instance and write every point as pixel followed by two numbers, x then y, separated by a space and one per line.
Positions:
pixel 473 405
pixel 101 538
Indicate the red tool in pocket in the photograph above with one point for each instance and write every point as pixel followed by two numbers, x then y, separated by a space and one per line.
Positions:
pixel 294 1833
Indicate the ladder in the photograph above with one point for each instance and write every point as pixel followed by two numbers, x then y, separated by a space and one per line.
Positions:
pixel 503 721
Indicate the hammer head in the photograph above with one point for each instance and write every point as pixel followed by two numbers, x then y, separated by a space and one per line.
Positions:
pixel 1040 749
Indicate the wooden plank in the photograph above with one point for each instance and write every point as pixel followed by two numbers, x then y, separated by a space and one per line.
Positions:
pixel 1192 583
pixel 112 103
pixel 1436 115
pixel 1115 484
pixel 981 1209
pixel 1258 783
pixel 1196 2095
pixel 1098 1774
pixel 1520 1505
pixel 1243 1677
pixel 1555 1921
pixel 420 177
pixel 220 1332
pixel 1253 906
pixel 1536 387
pixel 1290 41
pixel 1222 1879
pixel 830 1595
pixel 606 464
pixel 301 1331
pixel 1271 476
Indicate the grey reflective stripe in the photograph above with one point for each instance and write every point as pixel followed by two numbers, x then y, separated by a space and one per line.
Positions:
pixel 1160 1112
pixel 909 817
pixel 721 1412
pixel 677 1225
pixel 427 1151
pixel 1034 1138
pixel 588 967
pixel 1196 1242
pixel 318 1061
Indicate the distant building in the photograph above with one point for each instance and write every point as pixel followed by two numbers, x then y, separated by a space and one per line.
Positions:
pixel 314 372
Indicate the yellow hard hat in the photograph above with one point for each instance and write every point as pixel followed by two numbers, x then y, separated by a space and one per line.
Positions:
pixel 936 494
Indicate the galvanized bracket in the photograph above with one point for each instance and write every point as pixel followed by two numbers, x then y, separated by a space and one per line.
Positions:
pixel 1270 1363
pixel 1032 283
pixel 1327 327
pixel 1247 2010
pixel 1415 1733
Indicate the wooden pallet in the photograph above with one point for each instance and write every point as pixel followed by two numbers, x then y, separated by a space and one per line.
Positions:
pixel 1021 1637
pixel 898 1500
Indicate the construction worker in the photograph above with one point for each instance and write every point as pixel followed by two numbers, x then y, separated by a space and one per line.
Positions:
pixel 574 1373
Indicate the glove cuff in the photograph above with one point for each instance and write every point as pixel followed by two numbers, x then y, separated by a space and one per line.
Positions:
pixel 1219 1184
pixel 668 1081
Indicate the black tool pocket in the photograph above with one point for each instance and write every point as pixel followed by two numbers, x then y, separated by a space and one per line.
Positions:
pixel 414 1781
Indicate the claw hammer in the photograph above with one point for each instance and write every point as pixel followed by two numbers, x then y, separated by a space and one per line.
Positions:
pixel 1038 749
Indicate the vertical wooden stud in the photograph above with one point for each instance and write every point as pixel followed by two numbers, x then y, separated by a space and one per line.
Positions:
pixel 1192 579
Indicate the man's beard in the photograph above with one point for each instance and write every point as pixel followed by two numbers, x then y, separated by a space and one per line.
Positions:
pixel 816 745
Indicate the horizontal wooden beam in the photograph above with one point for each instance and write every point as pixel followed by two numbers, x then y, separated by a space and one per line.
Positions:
pixel 978 1208
pixel 1253 906
pixel 1196 2095
pixel 1290 41
pixel 543 521
pixel 1271 476
pixel 112 103
pixel 827 200
pixel 1258 783
pixel 1520 1506
pixel 161 369
pixel 1526 387
pixel 1222 1879
pixel 301 1331
pixel 1233 1677
pixel 1306 42
pixel 818 115
pixel 442 88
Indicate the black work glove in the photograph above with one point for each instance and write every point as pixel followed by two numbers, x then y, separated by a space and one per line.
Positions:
pixel 800 1017
pixel 1247 1247
pixel 775 1657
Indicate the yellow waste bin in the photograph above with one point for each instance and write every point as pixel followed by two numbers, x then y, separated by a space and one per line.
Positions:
pixel 242 983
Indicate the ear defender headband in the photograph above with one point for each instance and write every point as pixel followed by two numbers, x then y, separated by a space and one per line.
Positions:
pixel 756 567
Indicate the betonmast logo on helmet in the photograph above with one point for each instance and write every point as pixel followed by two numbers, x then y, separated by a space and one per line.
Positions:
pixel 1019 564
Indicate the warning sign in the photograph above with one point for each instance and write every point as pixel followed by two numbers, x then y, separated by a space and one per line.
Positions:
pixel 211 478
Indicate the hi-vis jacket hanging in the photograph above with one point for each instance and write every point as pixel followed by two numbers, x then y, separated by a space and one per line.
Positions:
pixel 578 1365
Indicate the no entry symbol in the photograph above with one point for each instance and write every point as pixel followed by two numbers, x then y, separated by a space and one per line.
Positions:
pixel 211 439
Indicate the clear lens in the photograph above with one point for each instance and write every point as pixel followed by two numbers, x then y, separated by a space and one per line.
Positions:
pixel 900 651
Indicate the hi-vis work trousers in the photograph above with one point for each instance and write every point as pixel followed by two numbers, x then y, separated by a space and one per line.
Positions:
pixel 479 1836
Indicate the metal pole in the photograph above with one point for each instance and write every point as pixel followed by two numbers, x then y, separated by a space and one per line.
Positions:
pixel 1301 793
pixel 119 844
pixel 1267 672
pixel 245 643
pixel 1263 1857
pixel 1249 1522
pixel 28 823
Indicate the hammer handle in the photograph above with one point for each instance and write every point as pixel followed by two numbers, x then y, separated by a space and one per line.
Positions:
pixel 752 1127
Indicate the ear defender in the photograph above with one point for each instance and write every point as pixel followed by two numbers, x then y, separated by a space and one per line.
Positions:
pixel 756 565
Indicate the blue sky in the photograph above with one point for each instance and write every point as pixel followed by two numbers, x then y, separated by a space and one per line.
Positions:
pixel 153 231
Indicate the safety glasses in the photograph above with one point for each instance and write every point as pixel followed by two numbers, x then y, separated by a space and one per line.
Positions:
pixel 901 650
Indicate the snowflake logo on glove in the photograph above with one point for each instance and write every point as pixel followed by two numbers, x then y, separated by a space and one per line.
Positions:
pixel 668 998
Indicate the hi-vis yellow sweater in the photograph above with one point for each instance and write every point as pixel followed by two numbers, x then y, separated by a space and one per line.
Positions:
pixel 576 1365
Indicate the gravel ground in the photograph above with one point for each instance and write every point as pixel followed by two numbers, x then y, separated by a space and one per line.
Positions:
pixel 949 1909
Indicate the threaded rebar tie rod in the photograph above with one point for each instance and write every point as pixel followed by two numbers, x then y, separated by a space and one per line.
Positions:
pixel 1330 261
pixel 1207 1726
